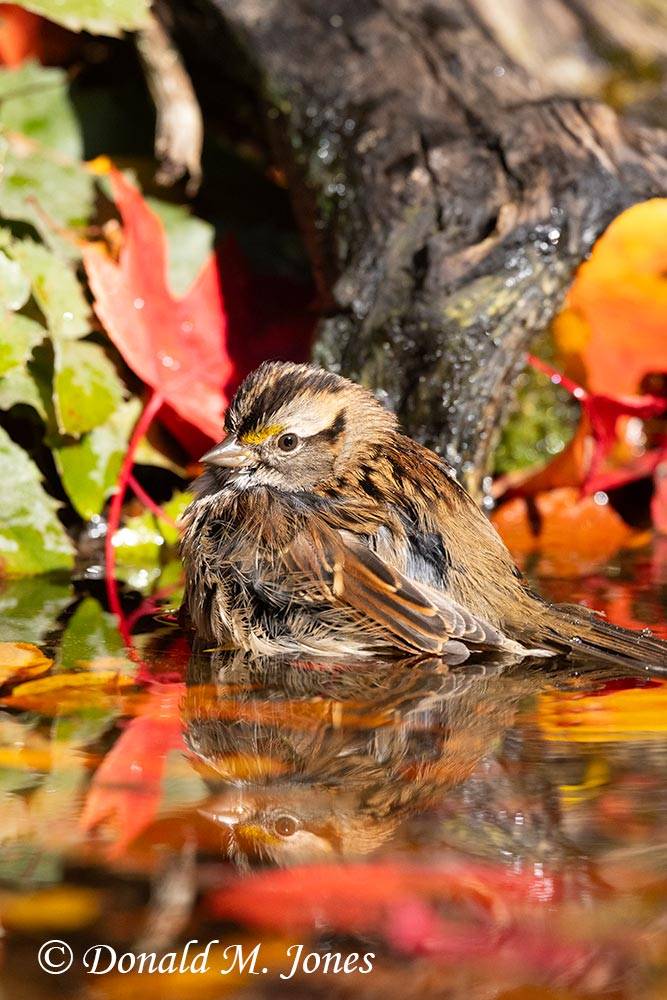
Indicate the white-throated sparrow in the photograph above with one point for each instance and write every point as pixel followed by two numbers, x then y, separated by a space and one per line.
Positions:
pixel 318 528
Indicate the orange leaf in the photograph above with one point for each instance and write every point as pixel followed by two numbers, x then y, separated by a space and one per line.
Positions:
pixel 20 660
pixel 175 345
pixel 572 534
pixel 613 331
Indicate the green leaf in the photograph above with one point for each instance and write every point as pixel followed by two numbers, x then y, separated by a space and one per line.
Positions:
pixel 89 468
pixel 14 284
pixel 101 17
pixel 139 542
pixel 18 336
pixel 38 188
pixel 56 289
pixel 32 539
pixel 19 386
pixel 86 388
pixel 174 508
pixel 189 239
pixel 138 546
pixel 29 608
pixel 34 101
pixel 90 633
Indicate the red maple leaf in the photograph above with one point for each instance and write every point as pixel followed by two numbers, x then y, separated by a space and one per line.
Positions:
pixel 603 413
pixel 126 791
pixel 175 345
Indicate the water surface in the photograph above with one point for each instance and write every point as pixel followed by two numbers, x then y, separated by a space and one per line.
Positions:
pixel 494 830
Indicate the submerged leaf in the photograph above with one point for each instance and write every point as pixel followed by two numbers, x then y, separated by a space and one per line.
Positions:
pixel 86 388
pixel 21 660
pixel 91 633
pixel 58 908
pixel 89 468
pixel 32 539
pixel 30 607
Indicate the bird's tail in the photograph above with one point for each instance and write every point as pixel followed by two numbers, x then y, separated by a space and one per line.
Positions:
pixel 584 635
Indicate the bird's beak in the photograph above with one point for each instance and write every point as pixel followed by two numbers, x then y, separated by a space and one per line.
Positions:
pixel 228 815
pixel 224 819
pixel 230 454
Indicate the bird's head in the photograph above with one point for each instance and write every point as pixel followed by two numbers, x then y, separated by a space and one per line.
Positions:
pixel 293 427
pixel 287 825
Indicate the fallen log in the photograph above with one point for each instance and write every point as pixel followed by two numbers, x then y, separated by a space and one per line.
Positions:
pixel 445 195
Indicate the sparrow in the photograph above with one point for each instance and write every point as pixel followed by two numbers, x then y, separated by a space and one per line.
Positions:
pixel 319 529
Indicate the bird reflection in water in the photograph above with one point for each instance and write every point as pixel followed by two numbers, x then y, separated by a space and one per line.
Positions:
pixel 307 761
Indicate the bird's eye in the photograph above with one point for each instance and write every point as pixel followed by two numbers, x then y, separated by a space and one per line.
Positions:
pixel 287 442
pixel 286 826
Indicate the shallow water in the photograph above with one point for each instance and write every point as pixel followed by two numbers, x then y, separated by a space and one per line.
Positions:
pixel 495 830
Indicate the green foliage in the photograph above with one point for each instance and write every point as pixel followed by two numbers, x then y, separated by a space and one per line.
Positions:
pixel 19 387
pixel 90 633
pixel 55 288
pixel 102 17
pixel 190 242
pixel 89 467
pixel 55 363
pixel 86 387
pixel 34 102
pixel 18 336
pixel 14 284
pixel 542 424
pixel 32 539
pixel 29 608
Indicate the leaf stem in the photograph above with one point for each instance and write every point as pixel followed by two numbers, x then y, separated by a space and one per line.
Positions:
pixel 557 377
pixel 147 416
pixel 148 502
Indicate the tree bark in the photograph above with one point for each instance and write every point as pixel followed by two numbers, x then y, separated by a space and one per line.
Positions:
pixel 445 195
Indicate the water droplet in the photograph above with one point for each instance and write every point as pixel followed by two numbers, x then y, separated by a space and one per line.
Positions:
pixel 187 326
pixel 336 21
pixel 499 71
pixel 68 315
pixel 556 378
pixel 600 498
pixel 138 303
pixel 168 362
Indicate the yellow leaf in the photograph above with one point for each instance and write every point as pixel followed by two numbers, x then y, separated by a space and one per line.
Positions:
pixel 107 679
pixel 58 908
pixel 603 717
pixel 64 693
pixel 19 660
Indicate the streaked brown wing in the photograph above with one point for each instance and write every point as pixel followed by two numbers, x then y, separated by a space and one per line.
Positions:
pixel 347 572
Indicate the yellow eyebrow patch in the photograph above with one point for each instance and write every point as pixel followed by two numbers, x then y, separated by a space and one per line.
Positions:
pixel 261 434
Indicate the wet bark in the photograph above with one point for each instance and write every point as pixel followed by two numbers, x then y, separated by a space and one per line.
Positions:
pixel 445 194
